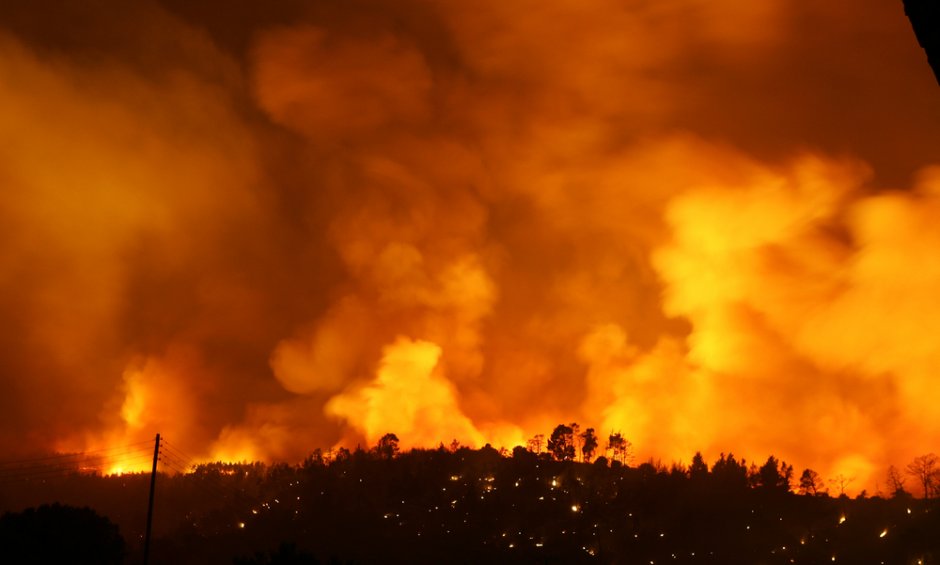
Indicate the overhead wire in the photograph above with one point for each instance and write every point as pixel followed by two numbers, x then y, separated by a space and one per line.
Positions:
pixel 174 458
pixel 76 455
pixel 184 460
pixel 92 463
pixel 179 460
pixel 74 463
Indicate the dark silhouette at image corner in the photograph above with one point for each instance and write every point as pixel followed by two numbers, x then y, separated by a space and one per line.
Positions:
pixel 925 19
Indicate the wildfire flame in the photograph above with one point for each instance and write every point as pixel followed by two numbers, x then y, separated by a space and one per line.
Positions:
pixel 701 225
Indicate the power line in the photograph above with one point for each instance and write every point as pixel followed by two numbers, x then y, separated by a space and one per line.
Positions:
pixel 80 454
pixel 181 457
pixel 76 460
pixel 189 458
pixel 96 463
pixel 92 463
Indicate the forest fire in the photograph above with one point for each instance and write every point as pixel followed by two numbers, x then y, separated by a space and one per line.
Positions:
pixel 704 226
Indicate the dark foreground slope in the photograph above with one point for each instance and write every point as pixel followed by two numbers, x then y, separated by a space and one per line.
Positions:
pixel 478 506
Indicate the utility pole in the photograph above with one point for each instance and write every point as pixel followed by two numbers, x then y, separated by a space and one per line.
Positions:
pixel 153 482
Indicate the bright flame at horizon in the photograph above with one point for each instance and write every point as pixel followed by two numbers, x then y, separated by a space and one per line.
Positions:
pixel 708 226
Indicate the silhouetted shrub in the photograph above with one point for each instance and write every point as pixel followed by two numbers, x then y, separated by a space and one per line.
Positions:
pixel 59 534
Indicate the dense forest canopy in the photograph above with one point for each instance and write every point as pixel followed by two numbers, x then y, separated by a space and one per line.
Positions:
pixel 456 504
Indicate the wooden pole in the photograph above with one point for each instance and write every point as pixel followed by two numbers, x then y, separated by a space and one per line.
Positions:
pixel 153 483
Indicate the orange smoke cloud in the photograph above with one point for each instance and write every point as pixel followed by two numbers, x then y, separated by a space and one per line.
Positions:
pixel 408 397
pixel 685 221
pixel 339 87
pixel 795 289
pixel 157 394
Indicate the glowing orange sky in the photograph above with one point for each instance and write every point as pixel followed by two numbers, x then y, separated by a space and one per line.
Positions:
pixel 708 225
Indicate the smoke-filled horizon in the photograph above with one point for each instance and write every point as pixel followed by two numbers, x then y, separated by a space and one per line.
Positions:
pixel 706 225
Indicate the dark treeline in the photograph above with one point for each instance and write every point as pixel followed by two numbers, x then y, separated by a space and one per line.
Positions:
pixel 459 505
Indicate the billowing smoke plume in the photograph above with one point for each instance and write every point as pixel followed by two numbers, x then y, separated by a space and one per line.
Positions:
pixel 706 225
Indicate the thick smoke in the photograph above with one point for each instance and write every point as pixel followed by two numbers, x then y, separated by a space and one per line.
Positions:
pixel 706 225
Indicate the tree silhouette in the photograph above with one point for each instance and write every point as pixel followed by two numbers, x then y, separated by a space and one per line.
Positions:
pixel 924 469
pixel 561 443
pixel 387 447
pixel 60 534
pixel 729 474
pixel 774 475
pixel 438 506
pixel 619 447
pixel 896 481
pixel 810 482
pixel 576 438
pixel 535 443
pixel 840 481
pixel 588 444
pixel 698 469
